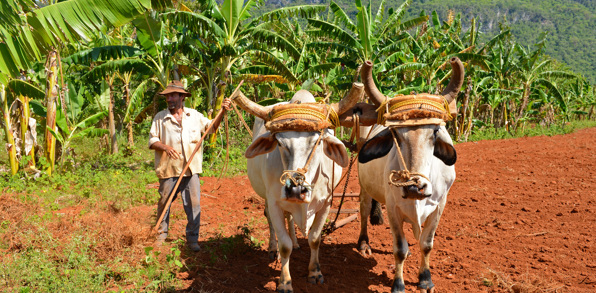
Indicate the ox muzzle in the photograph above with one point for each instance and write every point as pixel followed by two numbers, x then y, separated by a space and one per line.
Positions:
pixel 296 189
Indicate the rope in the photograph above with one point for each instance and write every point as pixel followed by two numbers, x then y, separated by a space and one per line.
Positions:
pixel 331 226
pixel 300 178
pixel 403 177
pixel 241 118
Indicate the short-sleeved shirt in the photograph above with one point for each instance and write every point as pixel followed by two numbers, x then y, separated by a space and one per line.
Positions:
pixel 183 138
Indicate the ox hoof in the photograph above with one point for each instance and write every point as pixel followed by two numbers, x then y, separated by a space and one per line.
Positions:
pixel 431 290
pixel 365 250
pixel 285 288
pixel 316 279
pixel 296 247
pixel 398 286
pixel 273 255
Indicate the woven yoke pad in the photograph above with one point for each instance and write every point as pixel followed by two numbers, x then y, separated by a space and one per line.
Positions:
pixel 421 106
pixel 298 117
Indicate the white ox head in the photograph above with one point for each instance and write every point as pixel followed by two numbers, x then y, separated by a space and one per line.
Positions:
pixel 296 147
pixel 418 145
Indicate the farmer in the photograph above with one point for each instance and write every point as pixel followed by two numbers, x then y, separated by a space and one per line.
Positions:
pixel 174 135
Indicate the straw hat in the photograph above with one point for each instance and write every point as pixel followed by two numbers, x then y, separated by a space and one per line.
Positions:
pixel 175 86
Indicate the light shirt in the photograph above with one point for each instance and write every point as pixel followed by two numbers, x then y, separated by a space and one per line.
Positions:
pixel 183 138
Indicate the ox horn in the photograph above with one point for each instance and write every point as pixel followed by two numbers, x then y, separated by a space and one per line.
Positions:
pixel 250 106
pixel 457 80
pixel 371 89
pixel 350 99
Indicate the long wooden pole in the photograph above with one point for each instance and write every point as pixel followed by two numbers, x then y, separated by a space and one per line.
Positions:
pixel 215 121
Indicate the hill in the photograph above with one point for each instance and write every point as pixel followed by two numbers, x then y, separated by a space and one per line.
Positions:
pixel 570 24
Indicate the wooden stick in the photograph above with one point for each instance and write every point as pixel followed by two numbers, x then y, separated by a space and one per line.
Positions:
pixel 215 121
pixel 345 220
pixel 344 211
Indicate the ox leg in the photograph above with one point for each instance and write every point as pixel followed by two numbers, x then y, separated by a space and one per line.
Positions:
pixel 400 249
pixel 425 284
pixel 273 253
pixel 284 243
pixel 314 241
pixel 292 230
pixel 365 207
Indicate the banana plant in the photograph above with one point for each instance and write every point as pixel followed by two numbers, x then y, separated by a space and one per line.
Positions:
pixel 84 128
pixel 223 35
pixel 30 33
pixel 11 148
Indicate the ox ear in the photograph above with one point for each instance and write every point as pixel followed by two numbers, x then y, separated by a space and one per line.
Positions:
pixel 335 150
pixel 376 147
pixel 265 143
pixel 444 149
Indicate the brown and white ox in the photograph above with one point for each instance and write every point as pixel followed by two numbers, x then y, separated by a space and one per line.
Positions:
pixel 272 154
pixel 427 149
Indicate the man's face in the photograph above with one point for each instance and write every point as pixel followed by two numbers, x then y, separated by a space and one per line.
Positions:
pixel 175 101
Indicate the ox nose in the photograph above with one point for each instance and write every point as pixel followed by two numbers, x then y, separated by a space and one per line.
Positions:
pixel 415 191
pixel 294 192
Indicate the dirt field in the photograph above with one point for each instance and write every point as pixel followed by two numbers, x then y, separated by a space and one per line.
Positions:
pixel 519 218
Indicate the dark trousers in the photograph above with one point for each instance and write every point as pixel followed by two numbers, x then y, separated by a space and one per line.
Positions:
pixel 190 190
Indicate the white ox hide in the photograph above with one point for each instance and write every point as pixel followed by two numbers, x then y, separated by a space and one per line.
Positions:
pixel 269 155
pixel 426 149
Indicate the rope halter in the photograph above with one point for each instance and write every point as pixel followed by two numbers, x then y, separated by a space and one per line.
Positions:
pixel 303 117
pixel 411 110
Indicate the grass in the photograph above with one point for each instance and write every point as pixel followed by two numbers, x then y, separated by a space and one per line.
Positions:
pixel 489 133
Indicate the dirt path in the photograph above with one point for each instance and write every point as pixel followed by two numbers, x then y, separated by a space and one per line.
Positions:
pixel 520 216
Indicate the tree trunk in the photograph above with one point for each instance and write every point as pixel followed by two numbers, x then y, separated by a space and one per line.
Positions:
pixel 11 148
pixel 129 125
pixel 465 107
pixel 25 130
pixel 524 103
pixel 51 96
pixel 111 123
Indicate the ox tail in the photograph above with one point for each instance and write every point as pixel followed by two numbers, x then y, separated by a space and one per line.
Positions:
pixel 376 214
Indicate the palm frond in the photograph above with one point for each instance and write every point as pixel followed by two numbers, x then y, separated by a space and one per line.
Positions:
pixel 554 91
pixel 302 11
pixel 413 66
pixel 273 39
pixel 318 69
pixel 196 24
pixel 266 58
pixel 122 65
pixel 20 87
pixel 494 41
pixel 396 17
pixel 329 30
pixel 99 54
pixel 136 97
pixel 558 74
pixel 341 16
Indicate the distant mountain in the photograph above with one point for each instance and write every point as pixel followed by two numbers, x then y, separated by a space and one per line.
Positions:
pixel 571 24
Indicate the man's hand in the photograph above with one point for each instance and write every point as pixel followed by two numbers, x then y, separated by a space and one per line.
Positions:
pixel 172 153
pixel 226 104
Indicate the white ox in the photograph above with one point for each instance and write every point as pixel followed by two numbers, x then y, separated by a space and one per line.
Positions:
pixel 270 154
pixel 427 150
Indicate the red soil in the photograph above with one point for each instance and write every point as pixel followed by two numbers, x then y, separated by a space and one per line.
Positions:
pixel 519 217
